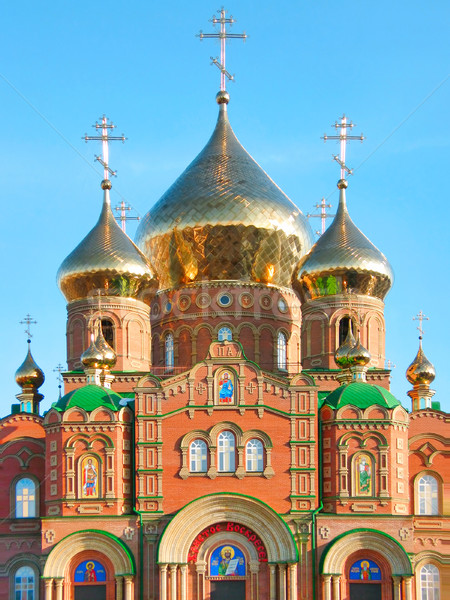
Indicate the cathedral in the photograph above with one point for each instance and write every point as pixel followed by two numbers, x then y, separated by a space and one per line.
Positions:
pixel 226 429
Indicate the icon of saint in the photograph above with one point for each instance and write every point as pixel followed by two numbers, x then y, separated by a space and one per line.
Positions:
pixel 227 554
pixel 364 476
pixel 225 388
pixel 90 574
pixel 90 478
pixel 365 571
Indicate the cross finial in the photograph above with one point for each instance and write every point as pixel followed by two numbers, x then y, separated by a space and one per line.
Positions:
pixel 223 35
pixel 59 369
pixel 122 217
pixel 421 318
pixel 105 138
pixel 28 321
pixel 343 138
pixel 323 214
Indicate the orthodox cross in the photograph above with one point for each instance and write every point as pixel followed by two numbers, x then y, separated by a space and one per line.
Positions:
pixel 421 318
pixel 123 207
pixel 223 36
pixel 105 138
pixel 323 213
pixel 343 138
pixel 59 369
pixel 28 321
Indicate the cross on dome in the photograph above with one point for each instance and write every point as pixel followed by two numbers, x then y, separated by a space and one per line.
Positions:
pixel 28 321
pixel 421 318
pixel 343 138
pixel 223 35
pixel 104 126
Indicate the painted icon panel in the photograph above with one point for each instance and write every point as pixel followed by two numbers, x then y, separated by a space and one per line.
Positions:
pixel 227 561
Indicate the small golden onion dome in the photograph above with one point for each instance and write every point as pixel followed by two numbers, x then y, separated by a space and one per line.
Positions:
pixel 420 370
pixel 29 375
pixel 224 219
pixel 109 357
pixel 358 355
pixel 106 259
pixel 343 260
pixel 341 356
pixel 92 357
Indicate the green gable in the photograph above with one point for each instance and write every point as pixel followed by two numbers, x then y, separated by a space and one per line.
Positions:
pixel 89 397
pixel 361 395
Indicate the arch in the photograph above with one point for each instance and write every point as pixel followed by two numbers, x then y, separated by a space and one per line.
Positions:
pixel 334 558
pixel 107 412
pixel 190 520
pixel 225 332
pixel 226 425
pixel 74 411
pixel 194 435
pixel 93 540
pixel 257 433
pixel 427 493
pixel 25 496
pixel 282 344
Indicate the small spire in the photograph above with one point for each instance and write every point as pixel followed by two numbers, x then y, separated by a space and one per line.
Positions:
pixel 223 35
pixel 28 321
pixel 421 372
pixel 323 215
pixel 123 217
pixel 59 369
pixel 343 138
pixel 29 376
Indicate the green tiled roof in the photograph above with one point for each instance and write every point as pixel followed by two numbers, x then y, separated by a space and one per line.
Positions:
pixel 361 395
pixel 89 397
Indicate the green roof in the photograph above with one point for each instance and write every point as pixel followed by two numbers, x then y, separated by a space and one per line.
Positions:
pixel 361 395
pixel 89 397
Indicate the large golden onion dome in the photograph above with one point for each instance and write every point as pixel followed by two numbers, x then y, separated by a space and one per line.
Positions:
pixel 106 259
pixel 29 376
pixel 420 370
pixel 224 219
pixel 343 260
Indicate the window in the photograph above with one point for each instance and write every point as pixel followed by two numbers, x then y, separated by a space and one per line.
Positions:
pixel 225 334
pixel 25 497
pixel 427 495
pixel 226 452
pixel 24 584
pixel 254 456
pixel 198 456
pixel 108 331
pixel 169 351
pixel 429 583
pixel 281 351
pixel 344 325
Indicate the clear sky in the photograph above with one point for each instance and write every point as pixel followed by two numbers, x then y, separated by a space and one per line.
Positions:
pixel 384 64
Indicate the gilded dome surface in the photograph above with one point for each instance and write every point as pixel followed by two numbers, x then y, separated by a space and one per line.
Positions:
pixel 29 374
pixel 343 260
pixel 420 370
pixel 106 259
pixel 224 219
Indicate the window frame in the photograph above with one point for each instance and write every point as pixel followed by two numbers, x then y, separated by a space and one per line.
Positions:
pixel 220 336
pixel 226 453
pixel 203 459
pixel 35 500
pixel 430 592
pixel 282 342
pixel 259 460
pixel 426 496
pixel 169 352
pixel 14 591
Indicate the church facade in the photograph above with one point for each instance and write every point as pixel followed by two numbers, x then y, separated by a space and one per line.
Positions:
pixel 227 429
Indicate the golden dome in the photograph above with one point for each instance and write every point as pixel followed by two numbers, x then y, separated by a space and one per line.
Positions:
pixel 358 355
pixel 92 357
pixel 224 219
pixel 420 370
pixel 106 259
pixel 29 375
pixel 343 260
pixel 109 357
pixel 341 356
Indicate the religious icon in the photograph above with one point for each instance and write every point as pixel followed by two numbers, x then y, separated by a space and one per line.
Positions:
pixel 90 478
pixel 364 475
pixel 90 571
pixel 226 388
pixel 227 561
pixel 90 574
pixel 365 570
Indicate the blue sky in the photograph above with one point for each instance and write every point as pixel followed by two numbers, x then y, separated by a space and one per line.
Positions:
pixel 385 64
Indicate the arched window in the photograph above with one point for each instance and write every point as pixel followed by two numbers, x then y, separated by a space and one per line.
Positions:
pixel 225 334
pixel 198 456
pixel 427 495
pixel 25 584
pixel 108 331
pixel 226 452
pixel 429 583
pixel 344 325
pixel 25 498
pixel 169 352
pixel 281 351
pixel 254 455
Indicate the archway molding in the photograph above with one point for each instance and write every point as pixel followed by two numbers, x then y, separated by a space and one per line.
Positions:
pixel 196 516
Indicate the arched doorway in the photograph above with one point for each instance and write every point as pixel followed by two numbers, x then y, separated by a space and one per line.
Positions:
pixel 89 565
pixel 227 546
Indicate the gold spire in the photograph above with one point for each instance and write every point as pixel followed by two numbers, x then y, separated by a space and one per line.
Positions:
pixel 341 356
pixel 29 376
pixel 109 357
pixel 106 259
pixel 232 222
pixel 342 260
pixel 420 371
pixel 92 357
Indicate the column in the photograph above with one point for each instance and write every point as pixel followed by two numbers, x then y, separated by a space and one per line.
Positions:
pixel 183 582
pixel 173 581
pixel 272 582
pixel 327 587
pixel 48 589
pixel 59 589
pixel 163 582
pixel 293 581
pixel 336 587
pixel 128 587
pixel 119 587
pixel 282 582
pixel 397 588
pixel 408 588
